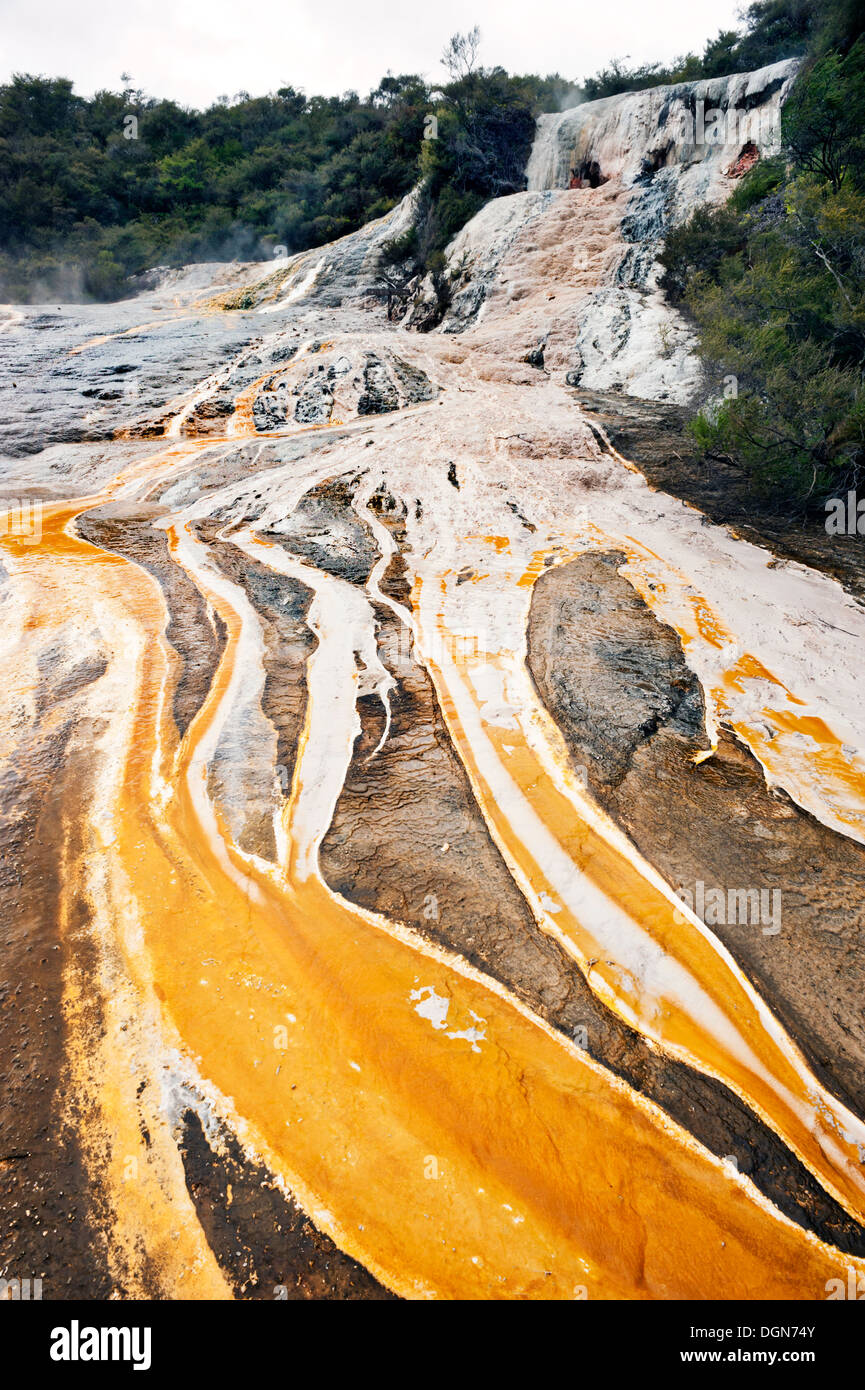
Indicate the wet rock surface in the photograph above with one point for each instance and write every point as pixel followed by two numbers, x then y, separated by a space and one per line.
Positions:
pixel 48 1207
pixel 615 678
pixel 652 435
pixel 407 840
pixel 325 531
pixel 197 637
pixel 616 683
pixel 82 384
pixel 266 1244
pixel 316 555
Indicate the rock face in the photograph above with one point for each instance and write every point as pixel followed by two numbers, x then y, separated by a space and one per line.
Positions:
pixel 594 646
pixel 689 129
pixel 641 162
pixel 370 723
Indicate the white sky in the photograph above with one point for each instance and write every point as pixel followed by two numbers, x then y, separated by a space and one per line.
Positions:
pixel 195 50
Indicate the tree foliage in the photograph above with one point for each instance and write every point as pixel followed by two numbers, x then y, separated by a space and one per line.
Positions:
pixel 823 122
pixel 775 283
pixel 83 207
pixel 773 30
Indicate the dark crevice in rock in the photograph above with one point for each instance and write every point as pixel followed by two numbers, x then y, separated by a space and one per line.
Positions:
pixel 380 395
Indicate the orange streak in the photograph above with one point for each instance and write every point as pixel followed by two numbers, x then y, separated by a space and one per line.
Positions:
pixel 554 1180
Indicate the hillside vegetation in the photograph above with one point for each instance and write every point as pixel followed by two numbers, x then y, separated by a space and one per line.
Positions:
pixel 774 282
pixel 95 191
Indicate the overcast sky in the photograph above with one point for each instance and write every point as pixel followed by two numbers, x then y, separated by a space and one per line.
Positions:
pixel 196 50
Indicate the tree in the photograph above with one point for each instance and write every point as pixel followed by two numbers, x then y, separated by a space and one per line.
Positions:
pixel 823 121
pixel 243 175
pixel 460 57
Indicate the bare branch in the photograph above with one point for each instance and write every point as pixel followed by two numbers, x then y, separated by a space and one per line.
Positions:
pixel 460 57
